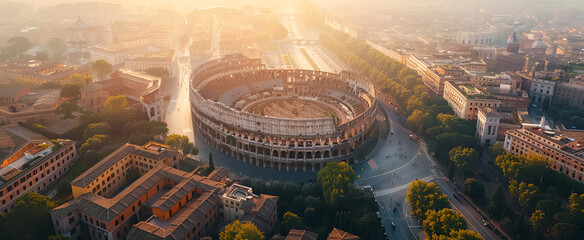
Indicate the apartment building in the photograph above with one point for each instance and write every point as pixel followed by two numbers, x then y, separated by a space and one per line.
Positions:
pixel 30 163
pixel 163 203
pixel 239 203
pixel 39 72
pixel 565 149
pixel 465 99
pixel 137 87
pixel 570 93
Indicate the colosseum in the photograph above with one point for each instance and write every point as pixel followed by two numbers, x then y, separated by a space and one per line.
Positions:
pixel 287 119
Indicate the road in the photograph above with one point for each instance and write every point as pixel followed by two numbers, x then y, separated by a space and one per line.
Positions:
pixel 392 166
pixel 178 112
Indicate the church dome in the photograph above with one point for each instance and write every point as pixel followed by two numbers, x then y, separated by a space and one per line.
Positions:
pixel 538 44
pixel 80 24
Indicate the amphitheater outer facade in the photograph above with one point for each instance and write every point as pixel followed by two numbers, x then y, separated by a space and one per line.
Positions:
pixel 287 119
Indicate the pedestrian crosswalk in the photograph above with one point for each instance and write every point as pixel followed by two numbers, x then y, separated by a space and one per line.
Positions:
pixel 387 191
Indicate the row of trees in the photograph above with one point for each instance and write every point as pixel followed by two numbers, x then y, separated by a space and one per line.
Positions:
pixel 431 207
pixel 333 201
pixel 431 117
pixel 539 191
pixel 569 116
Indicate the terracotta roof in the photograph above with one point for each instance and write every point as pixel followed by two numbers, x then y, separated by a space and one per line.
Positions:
pixel 88 176
pixel 260 215
pixel 92 173
pixel 338 234
pixel 296 234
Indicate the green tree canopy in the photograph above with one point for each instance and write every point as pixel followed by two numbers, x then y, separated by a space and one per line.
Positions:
pixel 180 142
pixel 335 178
pixel 291 221
pixel 92 129
pixel 29 219
pixel 78 79
pixel 18 46
pixel 71 91
pixel 567 231
pixel 115 105
pixel 463 158
pixel 497 203
pixel 68 107
pixel 442 222
pixel 524 192
pixel 576 204
pixel 423 196
pixel 537 220
pixel 473 188
pixel 157 72
pixel 416 120
pixel 463 234
pixel 102 68
pixel 241 231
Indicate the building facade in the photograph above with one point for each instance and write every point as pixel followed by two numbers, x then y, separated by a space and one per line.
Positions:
pixel 563 148
pixel 476 37
pixel 137 87
pixel 33 165
pixel 542 89
pixel 162 203
pixel 487 125
pixel 269 117
pixel 465 99
pixel 570 93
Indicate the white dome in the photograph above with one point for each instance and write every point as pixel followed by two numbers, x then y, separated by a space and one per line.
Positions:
pixel 539 44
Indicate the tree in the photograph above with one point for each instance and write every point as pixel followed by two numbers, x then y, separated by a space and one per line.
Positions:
pixel 18 46
pixel 291 221
pixel 180 142
pixel 71 91
pixel 576 204
pixel 537 220
pixel 241 231
pixel 496 150
pixel 463 157
pixel 423 196
pixel 549 207
pixel 442 222
pixel 416 120
pixel 157 72
pixel 29 219
pixel 451 170
pixel 93 143
pixel 566 231
pixel 473 188
pixel 465 234
pixel 497 203
pixel 101 128
pixel 58 237
pixel 524 192
pixel 335 179
pixel 115 105
pixel 67 108
pixel 102 68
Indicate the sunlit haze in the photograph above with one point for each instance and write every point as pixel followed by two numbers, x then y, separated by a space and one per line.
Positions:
pixel 292 119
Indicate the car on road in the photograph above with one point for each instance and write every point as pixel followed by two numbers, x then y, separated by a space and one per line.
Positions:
pixel 392 226
pixel 391 132
pixel 387 156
